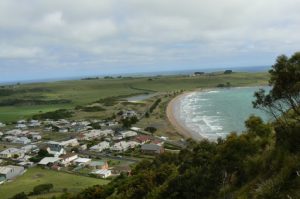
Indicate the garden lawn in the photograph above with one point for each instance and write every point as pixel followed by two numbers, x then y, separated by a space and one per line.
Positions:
pixel 37 176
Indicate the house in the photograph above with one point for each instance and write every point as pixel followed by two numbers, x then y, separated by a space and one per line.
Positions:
pixel 21 126
pixel 98 164
pixel 12 153
pixel 14 132
pixel 129 114
pixel 100 147
pixel 55 148
pixel 152 149
pixel 142 139
pixel 10 172
pixel 136 129
pixel 132 144
pixel 29 148
pixel 2 125
pixel 66 159
pixel 34 123
pixel 49 161
pixel 119 146
pixel 127 134
pixel 83 147
pixel 9 138
pixel 102 173
pixel 122 169
pixel 21 140
pixel 35 136
pixel 26 164
pixel 95 134
pixel 111 123
pixel 82 161
pixel 48 129
pixel 70 143
pixel 63 130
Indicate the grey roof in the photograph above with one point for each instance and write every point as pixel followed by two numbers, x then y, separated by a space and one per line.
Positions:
pixel 151 147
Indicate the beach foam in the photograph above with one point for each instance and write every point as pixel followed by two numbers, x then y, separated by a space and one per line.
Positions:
pixel 216 113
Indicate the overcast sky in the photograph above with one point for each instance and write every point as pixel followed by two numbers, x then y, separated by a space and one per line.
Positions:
pixel 62 38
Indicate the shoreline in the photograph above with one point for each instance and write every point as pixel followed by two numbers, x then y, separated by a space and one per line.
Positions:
pixel 177 124
pixel 181 128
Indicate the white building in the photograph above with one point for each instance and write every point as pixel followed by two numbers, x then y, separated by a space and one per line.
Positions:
pixel 70 143
pixel 103 173
pixel 14 132
pixel 82 161
pixel 49 160
pixel 55 148
pixel 21 140
pixel 94 134
pixel 11 172
pixel 21 126
pixel 100 147
pixel 126 134
pixel 66 159
pixel 12 153
pixel 2 125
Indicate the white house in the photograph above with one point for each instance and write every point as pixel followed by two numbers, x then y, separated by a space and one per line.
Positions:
pixel 11 153
pixel 126 134
pixel 10 172
pixel 103 173
pixel 21 140
pixel 14 132
pixel 82 161
pixel 2 125
pixel 100 147
pixel 55 148
pixel 124 146
pixel 21 126
pixel 49 160
pixel 66 159
pixel 70 143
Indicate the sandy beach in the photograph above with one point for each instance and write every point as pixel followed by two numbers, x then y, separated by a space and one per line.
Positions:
pixel 178 125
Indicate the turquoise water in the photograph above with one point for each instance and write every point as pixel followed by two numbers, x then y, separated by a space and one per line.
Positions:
pixel 216 113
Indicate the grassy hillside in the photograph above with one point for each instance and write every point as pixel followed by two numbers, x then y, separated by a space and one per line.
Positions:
pixel 36 98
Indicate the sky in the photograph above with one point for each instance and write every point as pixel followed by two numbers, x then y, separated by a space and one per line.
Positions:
pixel 65 38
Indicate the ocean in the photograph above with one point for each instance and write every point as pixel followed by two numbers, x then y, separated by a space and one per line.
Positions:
pixel 216 113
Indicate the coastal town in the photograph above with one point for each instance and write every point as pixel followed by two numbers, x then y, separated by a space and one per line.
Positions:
pixel 94 148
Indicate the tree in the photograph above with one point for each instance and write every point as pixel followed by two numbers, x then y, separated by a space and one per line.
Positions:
pixel 42 188
pixel 285 92
pixel 21 195
pixel 43 153
pixel 283 100
pixel 256 126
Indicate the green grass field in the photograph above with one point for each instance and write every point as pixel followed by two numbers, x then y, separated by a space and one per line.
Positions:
pixel 36 176
pixel 83 92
